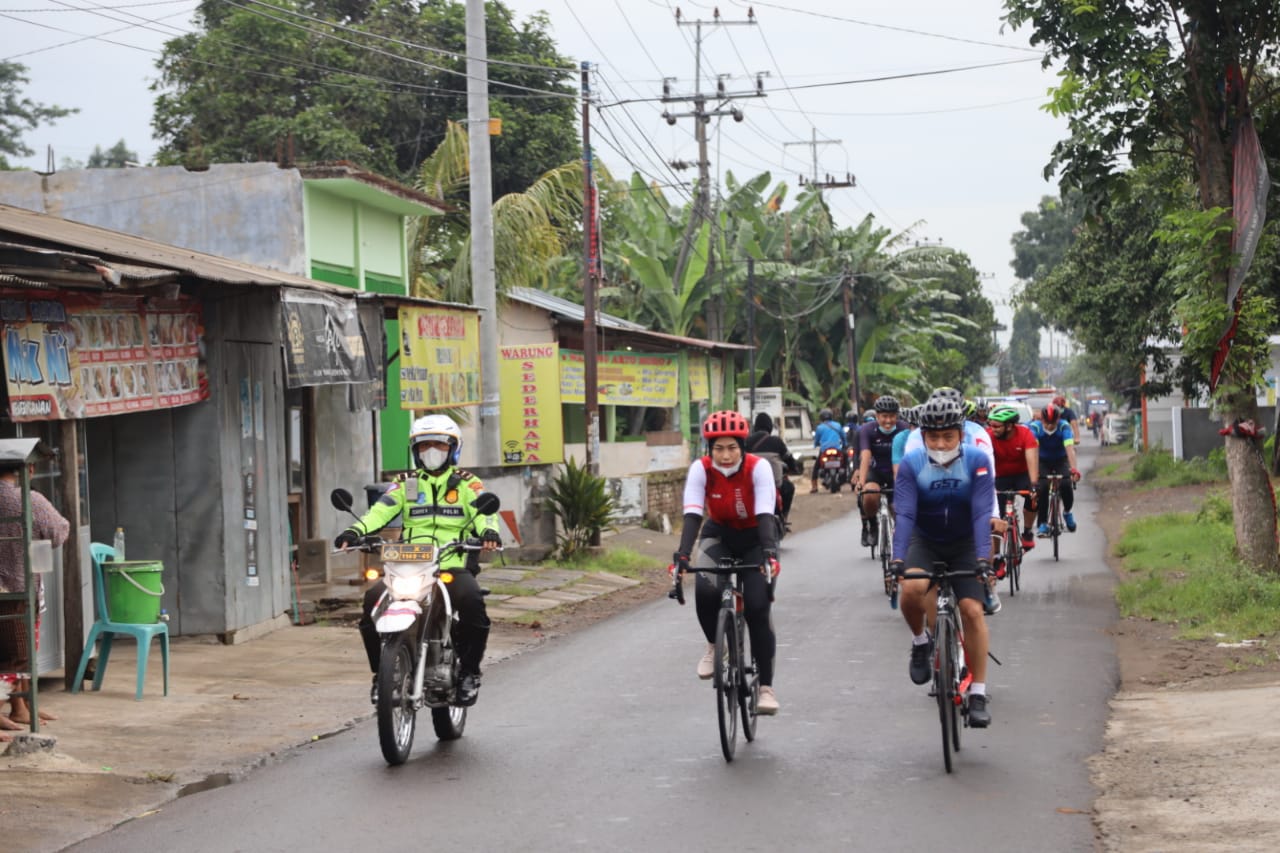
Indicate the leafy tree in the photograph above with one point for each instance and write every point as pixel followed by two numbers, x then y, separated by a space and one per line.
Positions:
pixel 1139 77
pixel 1024 347
pixel 259 82
pixel 19 114
pixel 116 157
pixel 1047 233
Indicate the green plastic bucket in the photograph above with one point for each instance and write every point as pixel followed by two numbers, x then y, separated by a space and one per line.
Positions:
pixel 133 591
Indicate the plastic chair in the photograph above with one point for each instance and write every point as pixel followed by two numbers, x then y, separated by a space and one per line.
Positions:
pixel 104 630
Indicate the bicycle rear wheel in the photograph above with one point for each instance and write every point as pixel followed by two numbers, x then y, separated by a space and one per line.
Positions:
pixel 726 683
pixel 957 674
pixel 942 688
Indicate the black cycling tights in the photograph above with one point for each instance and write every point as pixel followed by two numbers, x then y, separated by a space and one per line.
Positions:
pixel 756 604
pixel 1065 491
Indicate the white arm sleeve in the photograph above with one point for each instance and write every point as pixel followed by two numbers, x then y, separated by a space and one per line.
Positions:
pixel 762 485
pixel 695 488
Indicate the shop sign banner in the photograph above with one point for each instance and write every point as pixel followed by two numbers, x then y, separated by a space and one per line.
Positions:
pixel 699 383
pixel 70 356
pixel 439 358
pixel 324 342
pixel 623 378
pixel 531 427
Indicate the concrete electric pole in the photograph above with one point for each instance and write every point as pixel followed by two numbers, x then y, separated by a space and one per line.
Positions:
pixel 484 284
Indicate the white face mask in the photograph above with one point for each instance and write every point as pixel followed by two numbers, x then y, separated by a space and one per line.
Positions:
pixel 433 458
pixel 944 457
pixel 728 472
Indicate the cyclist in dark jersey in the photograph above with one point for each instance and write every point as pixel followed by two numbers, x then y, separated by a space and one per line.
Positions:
pixel 875 466
pixel 774 450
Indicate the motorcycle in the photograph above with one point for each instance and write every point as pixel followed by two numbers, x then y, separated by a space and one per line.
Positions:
pixel 419 667
pixel 832 468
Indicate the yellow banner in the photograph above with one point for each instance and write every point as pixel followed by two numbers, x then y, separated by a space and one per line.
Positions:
pixel 439 358
pixel 623 378
pixel 699 383
pixel 532 431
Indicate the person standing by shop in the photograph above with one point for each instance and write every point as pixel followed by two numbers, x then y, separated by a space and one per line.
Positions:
pixel 46 523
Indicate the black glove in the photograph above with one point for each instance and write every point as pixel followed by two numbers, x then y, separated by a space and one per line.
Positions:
pixel 348 538
pixel 492 536
pixel 984 567
pixel 897 567
pixel 680 561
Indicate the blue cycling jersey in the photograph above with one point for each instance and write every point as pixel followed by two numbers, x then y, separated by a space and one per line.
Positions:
pixel 944 503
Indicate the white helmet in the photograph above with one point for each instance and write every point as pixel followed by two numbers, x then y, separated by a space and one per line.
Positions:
pixel 435 428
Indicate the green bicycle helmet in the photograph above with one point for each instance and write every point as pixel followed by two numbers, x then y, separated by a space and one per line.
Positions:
pixel 1003 415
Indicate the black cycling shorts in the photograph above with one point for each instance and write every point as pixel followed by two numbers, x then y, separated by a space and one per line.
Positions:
pixel 959 556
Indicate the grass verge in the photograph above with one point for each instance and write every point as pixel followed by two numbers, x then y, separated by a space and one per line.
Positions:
pixel 1179 568
pixel 619 561
pixel 1157 468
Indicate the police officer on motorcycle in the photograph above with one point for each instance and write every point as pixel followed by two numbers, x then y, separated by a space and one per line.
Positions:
pixel 436 503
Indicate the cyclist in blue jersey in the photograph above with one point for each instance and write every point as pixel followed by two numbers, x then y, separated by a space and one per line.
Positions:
pixel 943 495
pixel 828 434
pixel 875 463
pixel 911 416
pixel 1057 456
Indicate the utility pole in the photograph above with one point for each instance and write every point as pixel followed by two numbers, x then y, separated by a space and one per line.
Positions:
pixel 829 183
pixel 751 333
pixel 702 116
pixel 589 272
pixel 484 285
pixel 851 341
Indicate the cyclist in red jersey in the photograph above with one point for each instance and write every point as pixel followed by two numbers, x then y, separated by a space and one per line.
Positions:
pixel 735 490
pixel 1017 463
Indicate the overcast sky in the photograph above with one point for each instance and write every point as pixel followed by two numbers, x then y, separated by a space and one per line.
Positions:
pixel 955 156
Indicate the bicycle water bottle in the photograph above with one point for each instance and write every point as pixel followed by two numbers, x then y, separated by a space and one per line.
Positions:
pixel 118 544
pixel 164 615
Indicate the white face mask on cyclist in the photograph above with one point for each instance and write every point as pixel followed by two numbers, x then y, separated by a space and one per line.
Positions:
pixel 944 457
pixel 728 472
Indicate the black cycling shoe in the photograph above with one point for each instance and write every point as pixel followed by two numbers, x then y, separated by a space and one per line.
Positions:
pixel 979 716
pixel 866 533
pixel 921 669
pixel 468 690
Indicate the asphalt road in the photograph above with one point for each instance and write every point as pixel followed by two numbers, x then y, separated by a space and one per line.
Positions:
pixel 605 739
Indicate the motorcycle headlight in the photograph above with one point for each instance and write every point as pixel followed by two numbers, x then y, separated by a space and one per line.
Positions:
pixel 406 581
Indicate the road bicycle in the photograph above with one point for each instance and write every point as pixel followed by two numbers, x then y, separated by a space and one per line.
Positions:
pixel 951 676
pixel 1011 542
pixel 735 676
pixel 1055 510
pixel 882 530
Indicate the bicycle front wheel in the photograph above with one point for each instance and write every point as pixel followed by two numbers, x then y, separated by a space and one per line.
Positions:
pixel 886 542
pixel 943 687
pixel 1011 556
pixel 1055 522
pixel 726 682
pixel 749 687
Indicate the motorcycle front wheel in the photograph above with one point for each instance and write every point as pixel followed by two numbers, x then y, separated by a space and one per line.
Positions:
pixel 397 718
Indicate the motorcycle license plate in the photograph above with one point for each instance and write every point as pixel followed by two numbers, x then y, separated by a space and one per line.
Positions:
pixel 408 552
pixel 833 463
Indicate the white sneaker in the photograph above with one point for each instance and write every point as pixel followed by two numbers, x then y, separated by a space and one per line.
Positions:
pixel 767 704
pixel 707 666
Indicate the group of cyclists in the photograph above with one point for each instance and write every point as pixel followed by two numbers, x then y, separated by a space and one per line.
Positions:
pixel 940 462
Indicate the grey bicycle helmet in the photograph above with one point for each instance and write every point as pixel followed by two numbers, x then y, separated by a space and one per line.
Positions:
pixel 939 414
pixel 887 404
pixel 948 393
pixel 911 415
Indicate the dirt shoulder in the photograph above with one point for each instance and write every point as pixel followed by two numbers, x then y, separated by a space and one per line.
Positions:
pixel 1191 746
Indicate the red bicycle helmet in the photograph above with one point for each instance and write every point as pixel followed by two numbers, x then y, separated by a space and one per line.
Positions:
pixel 725 423
pixel 1050 414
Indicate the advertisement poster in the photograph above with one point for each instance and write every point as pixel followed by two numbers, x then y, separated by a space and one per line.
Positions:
pixel 531 428
pixel 326 343
pixel 73 356
pixel 699 383
pixel 623 378
pixel 439 358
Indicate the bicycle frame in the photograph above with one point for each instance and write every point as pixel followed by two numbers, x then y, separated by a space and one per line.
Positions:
pixel 1011 542
pixel 1055 510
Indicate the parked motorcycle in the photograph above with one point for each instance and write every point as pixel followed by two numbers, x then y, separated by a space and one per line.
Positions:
pixel 419 666
pixel 832 468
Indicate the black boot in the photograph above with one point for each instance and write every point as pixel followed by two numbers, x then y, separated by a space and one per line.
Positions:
pixel 866 532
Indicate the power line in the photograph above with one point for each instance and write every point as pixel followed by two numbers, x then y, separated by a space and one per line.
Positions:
pixel 109 8
pixel 881 79
pixel 907 30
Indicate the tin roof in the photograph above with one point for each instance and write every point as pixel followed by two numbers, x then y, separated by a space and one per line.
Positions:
pixel 576 313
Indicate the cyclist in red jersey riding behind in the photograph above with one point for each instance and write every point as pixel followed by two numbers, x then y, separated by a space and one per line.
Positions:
pixel 1017 464
pixel 735 489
